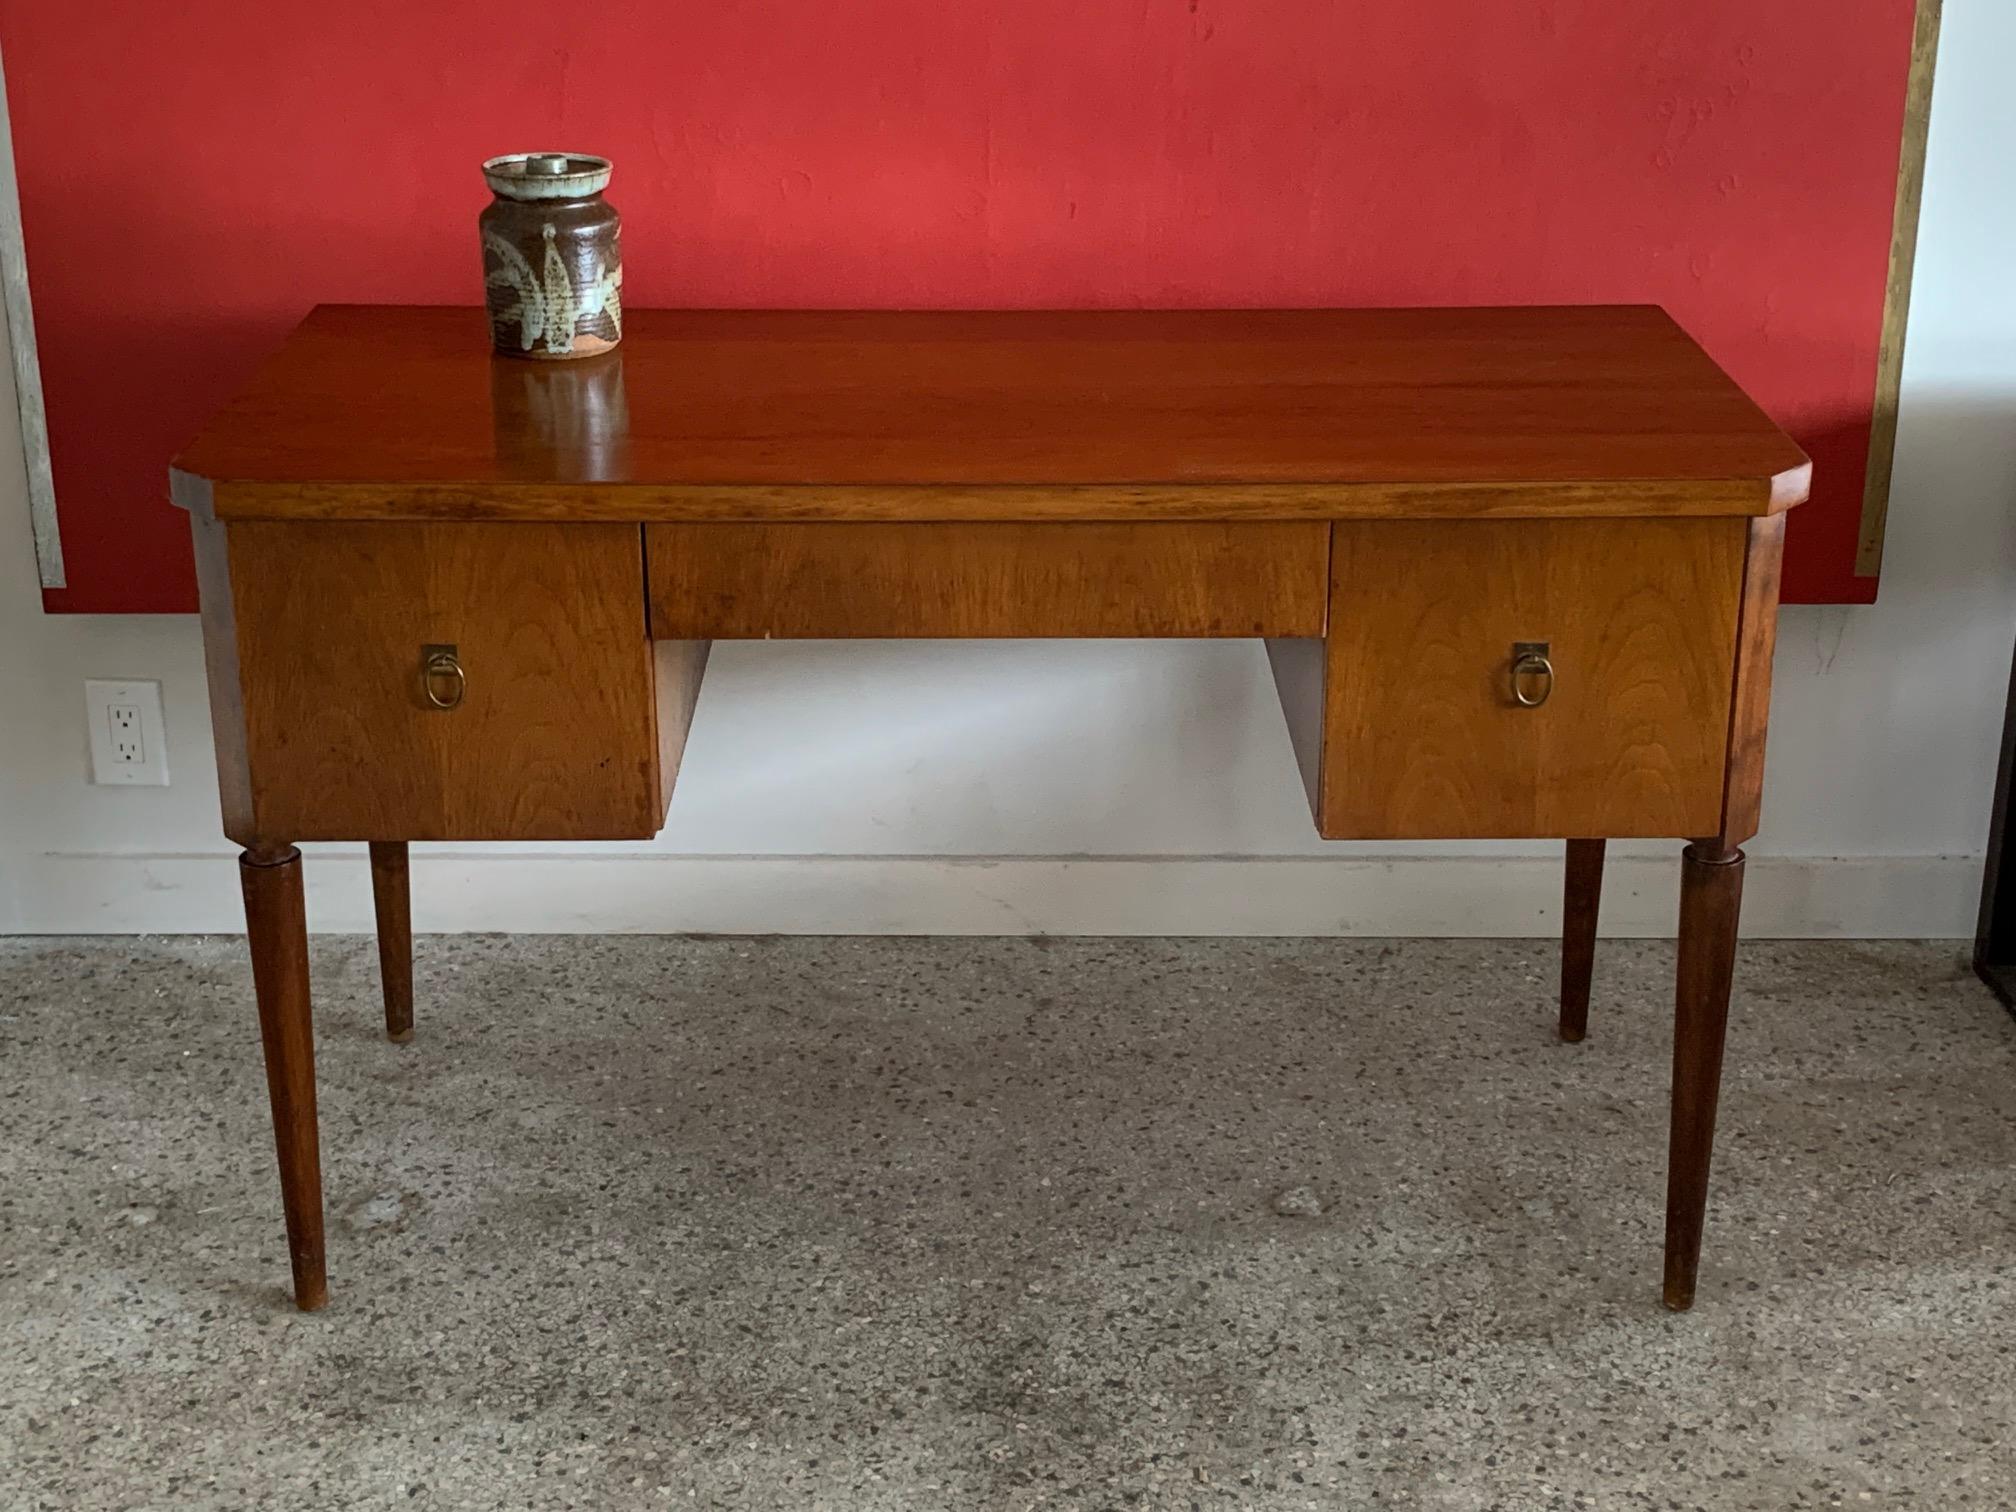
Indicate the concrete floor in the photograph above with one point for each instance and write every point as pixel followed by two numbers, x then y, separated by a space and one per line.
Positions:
pixel 944 1224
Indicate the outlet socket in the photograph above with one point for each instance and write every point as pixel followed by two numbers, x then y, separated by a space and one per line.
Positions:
pixel 129 739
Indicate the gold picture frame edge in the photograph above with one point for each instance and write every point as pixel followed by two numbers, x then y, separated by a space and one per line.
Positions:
pixel 1897 294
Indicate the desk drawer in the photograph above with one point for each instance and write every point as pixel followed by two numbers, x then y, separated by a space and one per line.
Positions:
pixel 753 582
pixel 1421 734
pixel 552 734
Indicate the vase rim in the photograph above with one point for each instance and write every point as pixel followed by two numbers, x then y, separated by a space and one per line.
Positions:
pixel 547 175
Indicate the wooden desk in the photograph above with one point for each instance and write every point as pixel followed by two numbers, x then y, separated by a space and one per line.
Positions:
pixel 1517 571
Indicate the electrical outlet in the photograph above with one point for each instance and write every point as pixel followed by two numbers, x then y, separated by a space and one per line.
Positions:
pixel 129 742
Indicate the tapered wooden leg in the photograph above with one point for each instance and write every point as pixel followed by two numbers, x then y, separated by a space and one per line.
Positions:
pixel 392 893
pixel 1711 897
pixel 1582 894
pixel 277 927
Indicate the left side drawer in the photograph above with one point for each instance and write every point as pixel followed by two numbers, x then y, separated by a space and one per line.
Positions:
pixel 550 729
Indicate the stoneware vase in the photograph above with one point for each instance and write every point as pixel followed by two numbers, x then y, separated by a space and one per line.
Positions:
pixel 552 266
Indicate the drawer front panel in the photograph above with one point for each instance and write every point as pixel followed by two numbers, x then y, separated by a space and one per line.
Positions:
pixel 1423 736
pixel 553 737
pixel 751 582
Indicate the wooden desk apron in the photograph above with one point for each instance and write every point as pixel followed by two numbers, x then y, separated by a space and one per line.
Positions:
pixel 1517 572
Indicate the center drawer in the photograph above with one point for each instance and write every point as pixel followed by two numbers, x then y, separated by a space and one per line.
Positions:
pixel 812 581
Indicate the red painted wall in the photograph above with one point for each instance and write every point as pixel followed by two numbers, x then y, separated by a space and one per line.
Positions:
pixel 194 176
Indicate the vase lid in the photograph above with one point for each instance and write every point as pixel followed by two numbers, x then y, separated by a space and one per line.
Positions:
pixel 547 175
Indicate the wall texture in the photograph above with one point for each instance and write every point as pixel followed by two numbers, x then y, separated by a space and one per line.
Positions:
pixel 1149 787
pixel 194 175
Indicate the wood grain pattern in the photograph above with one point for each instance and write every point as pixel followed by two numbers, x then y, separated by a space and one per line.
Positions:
pixel 1422 739
pixel 392 901
pixel 1750 709
pixel 1711 900
pixel 751 582
pixel 1095 415
pixel 554 739
pixel 1062 503
pixel 276 928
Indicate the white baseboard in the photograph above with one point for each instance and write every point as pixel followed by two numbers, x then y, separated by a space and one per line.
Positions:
pixel 533 892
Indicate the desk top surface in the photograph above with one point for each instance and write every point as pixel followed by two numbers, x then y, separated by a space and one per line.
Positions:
pixel 401 412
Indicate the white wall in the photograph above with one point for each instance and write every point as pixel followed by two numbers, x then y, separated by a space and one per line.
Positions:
pixel 1148 787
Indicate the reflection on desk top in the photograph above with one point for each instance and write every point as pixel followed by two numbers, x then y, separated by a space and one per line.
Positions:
pixel 386 412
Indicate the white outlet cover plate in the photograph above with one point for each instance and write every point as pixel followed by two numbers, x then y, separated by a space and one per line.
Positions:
pixel 101 697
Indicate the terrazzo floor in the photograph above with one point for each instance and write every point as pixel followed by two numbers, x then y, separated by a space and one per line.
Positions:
pixel 1004 1223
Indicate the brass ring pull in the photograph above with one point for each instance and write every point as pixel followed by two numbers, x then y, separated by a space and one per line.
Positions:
pixel 1530 661
pixel 440 665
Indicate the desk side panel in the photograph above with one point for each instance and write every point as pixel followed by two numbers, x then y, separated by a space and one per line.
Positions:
pixel 1299 678
pixel 220 663
pixel 677 667
pixel 1750 709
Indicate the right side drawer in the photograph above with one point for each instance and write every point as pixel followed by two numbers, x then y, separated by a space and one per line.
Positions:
pixel 1424 734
